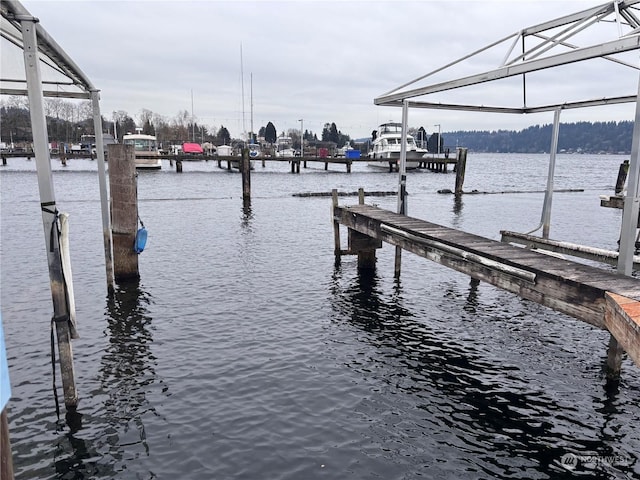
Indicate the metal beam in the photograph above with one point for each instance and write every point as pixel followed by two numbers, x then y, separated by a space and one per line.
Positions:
pixel 614 47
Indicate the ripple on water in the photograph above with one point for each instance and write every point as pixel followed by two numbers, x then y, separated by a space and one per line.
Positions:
pixel 244 352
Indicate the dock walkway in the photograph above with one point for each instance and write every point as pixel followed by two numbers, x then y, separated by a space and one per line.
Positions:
pixel 599 297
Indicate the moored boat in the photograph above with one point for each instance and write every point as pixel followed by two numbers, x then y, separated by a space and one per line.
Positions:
pixel 254 150
pixel 284 148
pixel 192 149
pixel 146 150
pixel 386 146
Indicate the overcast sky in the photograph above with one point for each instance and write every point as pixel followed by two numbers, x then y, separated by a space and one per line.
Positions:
pixel 320 61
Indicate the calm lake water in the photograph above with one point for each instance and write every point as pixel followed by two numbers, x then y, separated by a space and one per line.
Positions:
pixel 244 352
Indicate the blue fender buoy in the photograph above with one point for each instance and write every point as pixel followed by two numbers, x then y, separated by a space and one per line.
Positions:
pixel 141 240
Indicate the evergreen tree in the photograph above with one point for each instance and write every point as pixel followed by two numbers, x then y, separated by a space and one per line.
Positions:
pixel 223 137
pixel 270 133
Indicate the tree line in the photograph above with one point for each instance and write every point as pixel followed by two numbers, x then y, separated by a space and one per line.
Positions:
pixel 67 121
pixel 580 137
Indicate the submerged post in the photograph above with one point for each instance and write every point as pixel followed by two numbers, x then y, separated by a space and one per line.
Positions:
pixel 6 459
pixel 336 225
pixel 245 169
pixel 124 210
pixel 461 165
pixel 622 177
pixel 61 313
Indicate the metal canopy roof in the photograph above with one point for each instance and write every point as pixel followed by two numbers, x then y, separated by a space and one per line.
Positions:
pixel 552 48
pixel 61 77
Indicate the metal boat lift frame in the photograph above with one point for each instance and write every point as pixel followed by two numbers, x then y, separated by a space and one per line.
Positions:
pixel 21 29
pixel 551 36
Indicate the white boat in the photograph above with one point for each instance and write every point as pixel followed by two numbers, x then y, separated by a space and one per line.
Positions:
pixel 387 142
pixel 146 148
pixel 284 147
pixel 254 150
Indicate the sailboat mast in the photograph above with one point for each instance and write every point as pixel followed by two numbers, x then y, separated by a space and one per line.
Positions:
pixel 193 123
pixel 244 128
pixel 251 133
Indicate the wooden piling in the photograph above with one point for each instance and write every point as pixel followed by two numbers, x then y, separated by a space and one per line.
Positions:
pixel 365 247
pixel 124 210
pixel 4 161
pixel 622 177
pixel 461 165
pixel 6 459
pixel 614 358
pixel 245 170
pixel 179 165
pixel 336 225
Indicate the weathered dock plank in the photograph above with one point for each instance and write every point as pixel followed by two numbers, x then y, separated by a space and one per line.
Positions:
pixel 600 297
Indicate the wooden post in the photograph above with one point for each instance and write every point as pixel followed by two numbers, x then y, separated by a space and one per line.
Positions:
pixel 124 210
pixel 245 169
pixel 622 177
pixel 336 225
pixel 179 165
pixel 361 196
pixel 4 160
pixel 6 459
pixel 365 246
pixel 348 166
pixel 461 165
pixel 614 358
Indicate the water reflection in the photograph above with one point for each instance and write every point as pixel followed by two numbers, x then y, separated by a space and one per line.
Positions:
pixel 127 368
pixel 363 302
pixel 247 213
pixel 76 464
pixel 469 393
pixel 458 204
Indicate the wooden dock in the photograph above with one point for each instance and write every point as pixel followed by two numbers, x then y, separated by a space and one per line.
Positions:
pixel 601 298
pixel 436 164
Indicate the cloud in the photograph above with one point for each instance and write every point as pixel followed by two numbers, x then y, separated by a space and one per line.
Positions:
pixel 323 61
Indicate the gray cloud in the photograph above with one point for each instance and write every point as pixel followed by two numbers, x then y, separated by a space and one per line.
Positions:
pixel 323 61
